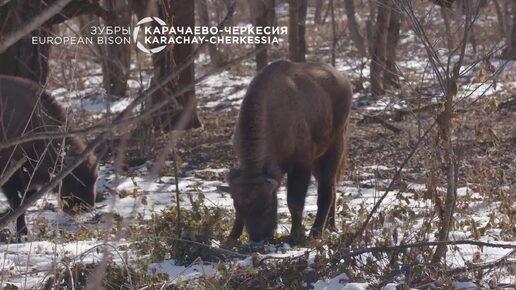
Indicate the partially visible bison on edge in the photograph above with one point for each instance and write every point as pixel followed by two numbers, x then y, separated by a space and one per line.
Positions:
pixel 25 108
pixel 293 120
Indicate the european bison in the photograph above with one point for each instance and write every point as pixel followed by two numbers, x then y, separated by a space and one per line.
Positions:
pixel 25 108
pixel 293 120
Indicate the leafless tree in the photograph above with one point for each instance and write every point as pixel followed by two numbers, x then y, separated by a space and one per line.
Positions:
pixel 216 56
pixel 263 14
pixel 23 19
pixel 296 36
pixel 510 52
pixel 391 78
pixel 318 11
pixel 379 43
pixel 116 59
pixel 384 44
pixel 354 28
pixel 180 13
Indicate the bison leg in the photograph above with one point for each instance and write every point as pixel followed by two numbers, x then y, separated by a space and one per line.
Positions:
pixel 238 226
pixel 297 185
pixel 21 226
pixel 11 189
pixel 326 170
pixel 325 203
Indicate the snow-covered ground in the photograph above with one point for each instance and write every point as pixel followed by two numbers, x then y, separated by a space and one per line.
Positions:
pixel 29 264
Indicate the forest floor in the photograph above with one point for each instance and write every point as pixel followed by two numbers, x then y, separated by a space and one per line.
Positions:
pixel 135 202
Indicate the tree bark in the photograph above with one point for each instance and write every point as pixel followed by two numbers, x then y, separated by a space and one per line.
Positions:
pixel 263 14
pixel 354 28
pixel 23 58
pixel 444 121
pixel 370 26
pixel 180 13
pixel 378 57
pixel 297 22
pixel 117 58
pixel 501 18
pixel 216 57
pixel 391 78
pixel 447 28
pixel 510 52
pixel 318 11
pixel 445 142
pixel 333 33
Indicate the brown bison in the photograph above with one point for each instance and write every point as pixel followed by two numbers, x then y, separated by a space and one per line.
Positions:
pixel 293 120
pixel 25 108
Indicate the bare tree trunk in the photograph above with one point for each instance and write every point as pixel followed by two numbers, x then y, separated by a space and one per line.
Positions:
pixel 391 78
pixel 354 28
pixel 217 58
pixel 184 15
pixel 117 58
pixel 444 121
pixel 163 62
pixel 263 13
pixel 23 58
pixel 449 37
pixel 510 52
pixel 333 32
pixel 318 11
pixel 501 18
pixel 379 47
pixel 370 26
pixel 297 22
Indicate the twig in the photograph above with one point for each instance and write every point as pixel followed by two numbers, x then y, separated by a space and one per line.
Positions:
pixel 427 244
pixel 391 185
pixel 370 119
pixel 215 249
pixel 347 253
pixel 34 23
pixel 178 205
pixel 91 147
pixel 121 119
pixel 488 265
pixel 125 120
pixel 9 172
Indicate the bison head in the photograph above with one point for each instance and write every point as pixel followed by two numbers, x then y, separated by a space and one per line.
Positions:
pixel 78 189
pixel 255 202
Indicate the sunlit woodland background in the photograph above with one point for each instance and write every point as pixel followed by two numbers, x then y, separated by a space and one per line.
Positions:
pixel 428 197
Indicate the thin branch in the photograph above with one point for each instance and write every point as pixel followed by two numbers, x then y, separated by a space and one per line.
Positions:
pixel 97 141
pixel 503 261
pixel 391 185
pixel 176 180
pixel 9 172
pixel 347 253
pixel 215 249
pixel 34 23
pixel 398 248
pixel 435 62
pixel 3 2
pixel 124 120
pixel 118 120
